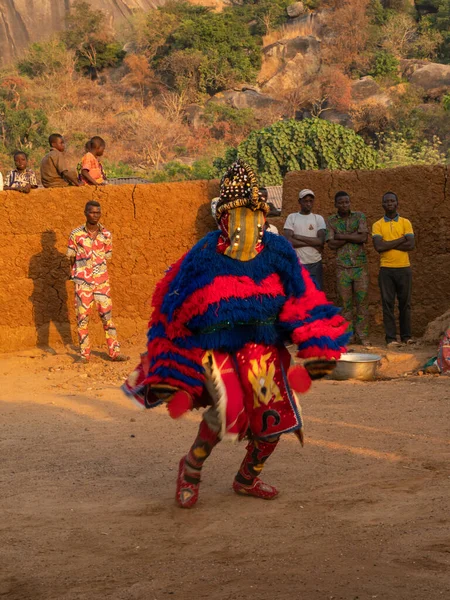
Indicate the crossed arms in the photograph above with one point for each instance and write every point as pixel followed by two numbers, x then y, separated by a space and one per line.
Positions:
pixel 405 243
pixel 303 241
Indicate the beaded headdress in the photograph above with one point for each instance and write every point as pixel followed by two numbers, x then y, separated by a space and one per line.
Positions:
pixel 239 188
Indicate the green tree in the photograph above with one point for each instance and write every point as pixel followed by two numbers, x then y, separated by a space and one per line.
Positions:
pixel 22 128
pixel 46 59
pixel 440 19
pixel 262 15
pixel 384 64
pixel 396 151
pixel 88 35
pixel 296 145
pixel 230 54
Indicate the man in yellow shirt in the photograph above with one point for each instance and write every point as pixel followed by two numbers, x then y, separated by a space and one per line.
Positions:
pixel 393 238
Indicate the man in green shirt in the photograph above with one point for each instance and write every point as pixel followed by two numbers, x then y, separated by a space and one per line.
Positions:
pixel 346 234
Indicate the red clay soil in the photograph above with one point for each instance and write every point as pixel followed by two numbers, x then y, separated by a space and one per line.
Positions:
pixel 87 495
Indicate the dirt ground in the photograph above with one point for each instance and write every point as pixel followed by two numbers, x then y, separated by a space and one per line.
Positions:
pixel 87 488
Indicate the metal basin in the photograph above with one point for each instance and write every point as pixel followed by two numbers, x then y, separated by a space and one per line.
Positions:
pixel 356 366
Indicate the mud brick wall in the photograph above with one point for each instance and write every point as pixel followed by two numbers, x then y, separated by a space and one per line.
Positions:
pixel 424 198
pixel 152 226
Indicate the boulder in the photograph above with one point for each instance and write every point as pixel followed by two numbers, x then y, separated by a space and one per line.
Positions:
pixel 23 21
pixel 288 63
pixel 295 10
pixel 436 329
pixel 290 48
pixel 367 89
pixel 364 88
pixel 337 117
pixel 433 78
pixel 193 115
pixel 245 97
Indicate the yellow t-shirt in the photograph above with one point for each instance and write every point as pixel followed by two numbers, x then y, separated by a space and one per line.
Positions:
pixel 392 229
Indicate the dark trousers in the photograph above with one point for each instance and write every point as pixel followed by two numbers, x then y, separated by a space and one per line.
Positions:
pixel 316 272
pixel 396 283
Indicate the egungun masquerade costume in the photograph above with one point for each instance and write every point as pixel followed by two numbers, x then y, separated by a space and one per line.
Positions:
pixel 221 317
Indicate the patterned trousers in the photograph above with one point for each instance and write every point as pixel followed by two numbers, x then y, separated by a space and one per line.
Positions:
pixel 85 297
pixel 352 289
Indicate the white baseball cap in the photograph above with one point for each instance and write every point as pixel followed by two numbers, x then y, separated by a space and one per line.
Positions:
pixel 304 193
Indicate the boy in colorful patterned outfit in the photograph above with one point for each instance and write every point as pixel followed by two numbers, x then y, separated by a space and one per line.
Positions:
pixel 221 317
pixel 90 246
pixel 21 179
pixel 347 233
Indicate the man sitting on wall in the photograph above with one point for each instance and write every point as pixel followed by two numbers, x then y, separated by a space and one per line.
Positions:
pixel 54 169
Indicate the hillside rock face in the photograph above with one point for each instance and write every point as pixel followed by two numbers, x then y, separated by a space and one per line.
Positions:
pixel 26 21
pixel 433 78
pixel 288 62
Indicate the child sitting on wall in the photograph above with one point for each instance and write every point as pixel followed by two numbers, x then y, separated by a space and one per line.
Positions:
pixel 90 169
pixel 21 179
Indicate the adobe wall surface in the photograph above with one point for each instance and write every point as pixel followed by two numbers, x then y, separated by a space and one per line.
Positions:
pixel 152 226
pixel 424 197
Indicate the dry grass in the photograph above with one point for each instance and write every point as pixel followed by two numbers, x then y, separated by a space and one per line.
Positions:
pixel 289 32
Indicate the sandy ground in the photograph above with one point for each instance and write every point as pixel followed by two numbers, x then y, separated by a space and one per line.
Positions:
pixel 87 486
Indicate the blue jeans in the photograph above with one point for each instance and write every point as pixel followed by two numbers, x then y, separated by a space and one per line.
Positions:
pixel 316 272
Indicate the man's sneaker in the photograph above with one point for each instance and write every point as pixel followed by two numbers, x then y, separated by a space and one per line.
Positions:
pixel 394 344
pixel 82 360
pixel 257 489
pixel 187 493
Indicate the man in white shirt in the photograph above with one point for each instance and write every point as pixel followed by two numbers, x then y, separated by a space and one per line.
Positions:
pixel 306 232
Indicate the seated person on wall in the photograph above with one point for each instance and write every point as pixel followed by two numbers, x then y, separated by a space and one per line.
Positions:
pixel 21 179
pixel 264 195
pixel 91 169
pixel 54 169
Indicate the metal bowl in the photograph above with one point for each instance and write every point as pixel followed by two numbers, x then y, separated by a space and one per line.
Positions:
pixel 356 366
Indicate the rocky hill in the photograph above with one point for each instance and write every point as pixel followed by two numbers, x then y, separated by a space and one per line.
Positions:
pixel 19 25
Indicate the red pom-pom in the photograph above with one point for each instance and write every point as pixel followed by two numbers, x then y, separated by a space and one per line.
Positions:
pixel 299 380
pixel 180 403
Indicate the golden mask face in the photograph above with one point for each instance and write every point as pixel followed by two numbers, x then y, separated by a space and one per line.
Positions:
pixel 245 230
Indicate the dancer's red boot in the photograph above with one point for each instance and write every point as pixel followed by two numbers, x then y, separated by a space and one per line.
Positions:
pixel 258 489
pixel 247 482
pixel 187 491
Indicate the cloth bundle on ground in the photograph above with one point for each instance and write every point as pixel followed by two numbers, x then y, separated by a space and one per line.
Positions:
pixel 222 316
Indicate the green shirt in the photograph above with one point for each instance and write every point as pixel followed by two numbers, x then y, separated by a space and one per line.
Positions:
pixel 349 255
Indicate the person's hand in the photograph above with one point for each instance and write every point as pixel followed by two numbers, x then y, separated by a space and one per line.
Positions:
pixel 320 367
pixel 178 401
pixel 26 188
pixel 337 236
pixel 179 404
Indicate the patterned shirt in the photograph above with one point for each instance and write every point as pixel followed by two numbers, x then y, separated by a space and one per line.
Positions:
pixel 91 254
pixel 19 179
pixel 350 254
